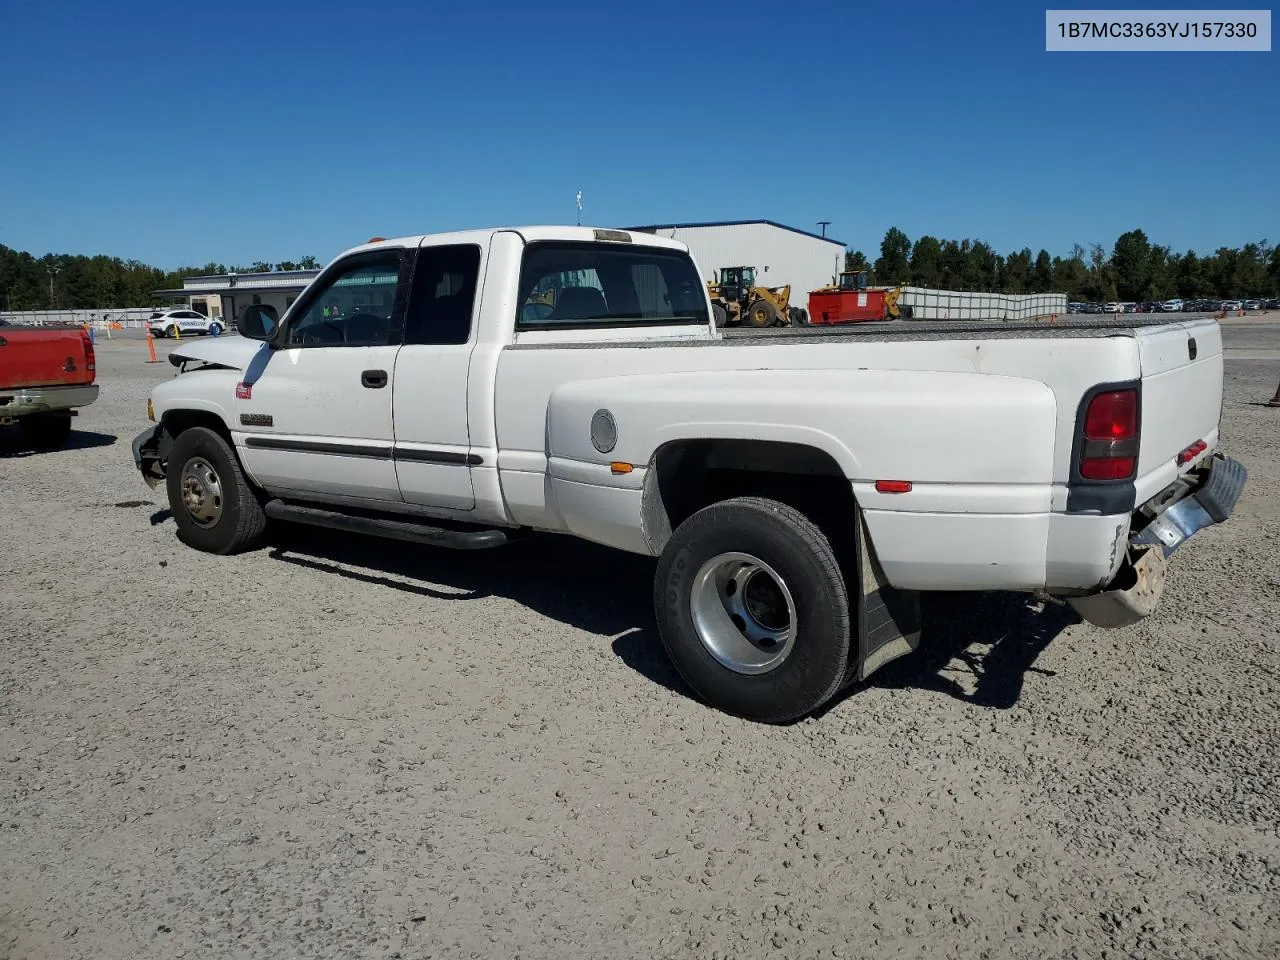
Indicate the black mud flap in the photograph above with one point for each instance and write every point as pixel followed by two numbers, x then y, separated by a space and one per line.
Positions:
pixel 888 619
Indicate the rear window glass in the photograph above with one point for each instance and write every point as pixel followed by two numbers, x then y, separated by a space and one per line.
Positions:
pixel 607 285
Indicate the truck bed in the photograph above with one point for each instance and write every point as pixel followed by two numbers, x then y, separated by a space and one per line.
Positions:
pixel 1075 325
pixel 909 330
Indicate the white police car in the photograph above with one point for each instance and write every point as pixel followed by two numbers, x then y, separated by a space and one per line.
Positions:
pixel 171 323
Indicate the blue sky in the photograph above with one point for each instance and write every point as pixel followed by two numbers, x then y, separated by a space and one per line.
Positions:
pixel 180 133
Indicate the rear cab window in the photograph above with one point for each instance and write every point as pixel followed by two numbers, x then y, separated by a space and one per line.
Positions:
pixel 581 285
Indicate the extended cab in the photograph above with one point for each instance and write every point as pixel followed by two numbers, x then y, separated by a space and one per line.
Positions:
pixel 798 490
pixel 45 374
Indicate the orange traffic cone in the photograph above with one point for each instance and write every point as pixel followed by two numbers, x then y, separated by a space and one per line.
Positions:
pixel 151 347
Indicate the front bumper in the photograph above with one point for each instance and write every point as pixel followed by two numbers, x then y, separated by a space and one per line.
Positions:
pixel 28 400
pixel 1138 587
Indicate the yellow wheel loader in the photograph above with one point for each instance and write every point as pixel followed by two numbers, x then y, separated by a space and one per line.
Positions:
pixel 737 301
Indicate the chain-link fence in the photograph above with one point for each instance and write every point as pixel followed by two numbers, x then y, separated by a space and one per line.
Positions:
pixel 126 317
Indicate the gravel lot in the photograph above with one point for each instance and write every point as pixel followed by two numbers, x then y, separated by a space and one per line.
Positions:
pixel 336 747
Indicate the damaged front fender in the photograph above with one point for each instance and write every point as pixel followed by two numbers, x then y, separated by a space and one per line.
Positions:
pixel 150 451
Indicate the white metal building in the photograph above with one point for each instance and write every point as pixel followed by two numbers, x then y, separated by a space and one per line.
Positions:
pixel 780 254
pixel 226 295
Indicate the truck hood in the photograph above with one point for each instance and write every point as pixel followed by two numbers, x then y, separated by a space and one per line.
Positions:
pixel 235 353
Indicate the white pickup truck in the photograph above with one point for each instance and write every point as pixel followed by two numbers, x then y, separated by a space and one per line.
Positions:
pixel 798 490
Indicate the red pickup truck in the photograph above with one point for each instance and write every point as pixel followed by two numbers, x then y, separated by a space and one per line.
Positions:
pixel 45 374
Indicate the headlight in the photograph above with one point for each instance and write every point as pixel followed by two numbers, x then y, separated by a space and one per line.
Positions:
pixel 151 411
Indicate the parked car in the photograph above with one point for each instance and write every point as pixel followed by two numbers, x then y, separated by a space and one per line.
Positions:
pixel 1074 307
pixel 1273 304
pixel 1253 304
pixel 1230 305
pixel 45 375
pixel 796 493
pixel 1172 306
pixel 171 323
pixel 1114 306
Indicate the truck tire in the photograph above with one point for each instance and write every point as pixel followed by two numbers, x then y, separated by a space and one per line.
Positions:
pixel 753 610
pixel 761 313
pixel 799 316
pixel 721 315
pixel 215 508
pixel 45 431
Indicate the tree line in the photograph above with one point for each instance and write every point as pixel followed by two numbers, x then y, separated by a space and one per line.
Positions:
pixel 77 282
pixel 1134 269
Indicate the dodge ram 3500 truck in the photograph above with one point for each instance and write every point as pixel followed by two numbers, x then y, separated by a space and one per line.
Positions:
pixel 798 490
pixel 45 374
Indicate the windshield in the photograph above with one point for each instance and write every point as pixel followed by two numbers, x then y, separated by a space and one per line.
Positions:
pixel 597 284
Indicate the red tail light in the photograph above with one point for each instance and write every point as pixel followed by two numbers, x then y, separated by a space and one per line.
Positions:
pixel 90 358
pixel 1110 448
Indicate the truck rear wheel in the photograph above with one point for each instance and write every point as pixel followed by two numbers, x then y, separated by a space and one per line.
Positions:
pixel 753 610
pixel 721 314
pixel 46 431
pixel 215 508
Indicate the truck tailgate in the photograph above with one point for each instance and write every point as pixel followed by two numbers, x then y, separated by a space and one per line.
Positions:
pixel 44 358
pixel 1181 397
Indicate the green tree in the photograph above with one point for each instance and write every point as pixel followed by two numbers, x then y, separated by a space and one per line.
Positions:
pixel 926 262
pixel 1131 265
pixel 1159 274
pixel 1188 276
pixel 894 262
pixel 1071 274
pixel 1042 276
pixel 855 260
pixel 982 268
pixel 1016 276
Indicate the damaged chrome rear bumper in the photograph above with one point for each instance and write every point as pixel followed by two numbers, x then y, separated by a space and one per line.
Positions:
pixel 1139 585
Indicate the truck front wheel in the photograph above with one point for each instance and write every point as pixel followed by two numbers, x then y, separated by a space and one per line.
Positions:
pixel 212 503
pixel 753 611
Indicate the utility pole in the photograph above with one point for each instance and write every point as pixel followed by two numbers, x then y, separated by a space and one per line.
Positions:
pixel 53 272
pixel 579 208
pixel 824 224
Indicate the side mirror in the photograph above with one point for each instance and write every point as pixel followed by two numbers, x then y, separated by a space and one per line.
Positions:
pixel 259 321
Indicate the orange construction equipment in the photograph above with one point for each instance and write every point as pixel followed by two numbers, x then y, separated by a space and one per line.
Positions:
pixel 852 301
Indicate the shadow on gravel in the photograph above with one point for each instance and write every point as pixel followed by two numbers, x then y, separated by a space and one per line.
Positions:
pixel 602 591
pixel 11 444
pixel 977 647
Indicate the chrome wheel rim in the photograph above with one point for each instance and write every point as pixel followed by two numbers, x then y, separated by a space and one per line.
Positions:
pixel 743 613
pixel 201 492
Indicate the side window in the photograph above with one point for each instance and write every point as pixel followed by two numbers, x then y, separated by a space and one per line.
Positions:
pixel 443 294
pixel 354 307
pixel 598 284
